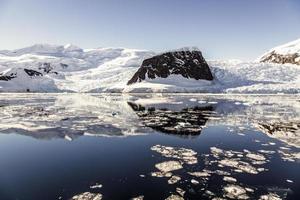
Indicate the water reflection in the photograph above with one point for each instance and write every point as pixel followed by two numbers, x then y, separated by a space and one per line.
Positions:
pixel 239 147
pixel 187 121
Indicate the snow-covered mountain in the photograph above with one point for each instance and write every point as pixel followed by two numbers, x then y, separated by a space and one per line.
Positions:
pixel 287 53
pixel 55 68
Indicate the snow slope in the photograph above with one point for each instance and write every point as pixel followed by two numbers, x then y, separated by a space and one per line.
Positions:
pixel 288 48
pixel 109 69
pixel 287 53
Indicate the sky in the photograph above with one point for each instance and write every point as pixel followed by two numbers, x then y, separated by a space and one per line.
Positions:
pixel 221 29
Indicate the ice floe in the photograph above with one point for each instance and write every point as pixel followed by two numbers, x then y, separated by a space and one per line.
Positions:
pixel 270 196
pixel 235 192
pixel 229 179
pixel 87 196
pixel 174 179
pixel 138 198
pixel 174 197
pixel 168 166
pixel 188 156
pixel 97 185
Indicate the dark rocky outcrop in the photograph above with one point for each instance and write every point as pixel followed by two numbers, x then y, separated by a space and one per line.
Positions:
pixel 31 72
pixel 7 78
pixel 274 57
pixel 189 64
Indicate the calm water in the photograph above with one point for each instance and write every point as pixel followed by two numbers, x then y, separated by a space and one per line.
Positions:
pixel 57 146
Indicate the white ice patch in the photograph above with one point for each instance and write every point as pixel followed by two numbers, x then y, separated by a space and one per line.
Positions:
pixel 235 192
pixel 188 156
pixel 87 196
pixel 168 166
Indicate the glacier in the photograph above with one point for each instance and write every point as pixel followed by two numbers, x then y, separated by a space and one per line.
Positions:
pixel 68 68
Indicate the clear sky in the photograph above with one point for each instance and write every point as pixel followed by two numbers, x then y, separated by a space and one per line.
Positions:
pixel 241 29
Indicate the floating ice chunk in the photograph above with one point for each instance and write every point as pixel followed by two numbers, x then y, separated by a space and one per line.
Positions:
pixel 195 182
pixel 229 179
pixel 235 192
pixel 249 189
pixel 229 163
pixel 174 179
pixel 199 174
pixel 216 150
pixel 180 191
pixel 289 156
pixel 259 162
pixel 186 155
pixel 97 185
pixel 138 198
pixel 222 173
pixel 285 148
pixel 270 196
pixel 168 166
pixel 256 156
pixel 266 151
pixel 174 197
pixel 161 174
pixel 87 196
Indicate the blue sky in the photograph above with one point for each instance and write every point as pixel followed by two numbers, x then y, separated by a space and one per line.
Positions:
pixel 241 29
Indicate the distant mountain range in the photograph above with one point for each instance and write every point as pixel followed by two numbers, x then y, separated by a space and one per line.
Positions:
pixel 68 68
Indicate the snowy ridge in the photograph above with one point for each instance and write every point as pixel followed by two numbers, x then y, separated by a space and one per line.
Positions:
pixel 289 48
pixel 287 53
pixel 70 68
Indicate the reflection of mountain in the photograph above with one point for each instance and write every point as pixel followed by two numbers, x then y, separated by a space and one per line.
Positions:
pixel 67 116
pixel 187 121
pixel 288 132
pixel 65 133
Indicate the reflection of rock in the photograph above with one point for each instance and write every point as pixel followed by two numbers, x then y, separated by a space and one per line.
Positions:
pixel 287 132
pixel 188 121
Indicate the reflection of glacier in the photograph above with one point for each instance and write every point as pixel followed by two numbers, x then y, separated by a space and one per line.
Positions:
pixel 289 132
pixel 239 111
pixel 72 115
pixel 67 116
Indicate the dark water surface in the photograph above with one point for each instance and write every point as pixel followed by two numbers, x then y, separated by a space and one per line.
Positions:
pixel 56 146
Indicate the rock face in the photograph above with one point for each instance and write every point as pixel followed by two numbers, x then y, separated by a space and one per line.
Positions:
pixel 13 74
pixel 287 53
pixel 189 64
pixel 282 59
